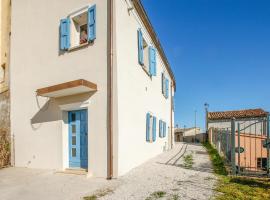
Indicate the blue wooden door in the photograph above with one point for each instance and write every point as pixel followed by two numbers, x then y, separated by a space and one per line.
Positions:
pixel 78 144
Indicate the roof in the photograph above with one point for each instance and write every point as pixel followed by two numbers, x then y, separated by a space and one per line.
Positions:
pixel 145 19
pixel 237 114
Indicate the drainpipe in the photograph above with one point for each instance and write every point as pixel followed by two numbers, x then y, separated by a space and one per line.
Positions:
pixel 171 118
pixel 110 89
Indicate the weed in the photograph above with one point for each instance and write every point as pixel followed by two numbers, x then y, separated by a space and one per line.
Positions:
pixel 188 161
pixel 156 195
pixel 175 197
pixel 99 193
pixel 93 197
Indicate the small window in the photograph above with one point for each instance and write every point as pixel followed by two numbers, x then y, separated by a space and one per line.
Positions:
pixel 262 163
pixel 162 129
pixel 73 152
pixel 73 117
pixel 150 128
pixel 146 55
pixel 78 30
pixel 164 85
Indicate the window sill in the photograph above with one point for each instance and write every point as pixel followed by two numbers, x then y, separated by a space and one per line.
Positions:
pixel 78 46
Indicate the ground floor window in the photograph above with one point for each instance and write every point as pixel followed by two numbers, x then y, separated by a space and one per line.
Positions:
pixel 150 128
pixel 262 163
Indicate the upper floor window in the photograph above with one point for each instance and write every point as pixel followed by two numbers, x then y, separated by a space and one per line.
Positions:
pixel 165 85
pixel 146 55
pixel 78 29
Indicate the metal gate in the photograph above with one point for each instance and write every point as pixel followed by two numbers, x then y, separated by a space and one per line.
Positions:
pixel 244 146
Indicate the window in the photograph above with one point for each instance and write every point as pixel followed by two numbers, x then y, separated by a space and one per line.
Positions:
pixel 162 129
pixel 165 85
pixel 78 29
pixel 146 55
pixel 150 128
pixel 262 163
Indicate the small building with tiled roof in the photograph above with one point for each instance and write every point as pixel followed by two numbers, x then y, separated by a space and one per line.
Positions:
pixel 250 127
pixel 237 114
pixel 222 119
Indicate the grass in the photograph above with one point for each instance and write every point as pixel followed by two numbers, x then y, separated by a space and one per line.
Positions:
pixel 156 195
pixel 236 188
pixel 217 161
pixel 175 197
pixel 98 194
pixel 93 197
pixel 188 161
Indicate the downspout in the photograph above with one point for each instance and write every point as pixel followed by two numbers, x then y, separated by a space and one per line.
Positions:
pixel 171 119
pixel 110 89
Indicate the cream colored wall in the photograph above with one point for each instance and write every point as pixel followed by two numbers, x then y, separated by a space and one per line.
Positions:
pixel 4 44
pixel 36 62
pixel 137 94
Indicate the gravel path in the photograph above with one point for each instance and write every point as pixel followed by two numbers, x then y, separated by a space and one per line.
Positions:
pixel 170 175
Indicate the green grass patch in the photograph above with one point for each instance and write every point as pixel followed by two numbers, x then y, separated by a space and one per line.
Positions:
pixel 98 194
pixel 236 188
pixel 93 197
pixel 156 195
pixel 188 161
pixel 175 197
pixel 217 160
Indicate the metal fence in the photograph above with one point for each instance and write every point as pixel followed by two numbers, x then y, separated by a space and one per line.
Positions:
pixel 244 145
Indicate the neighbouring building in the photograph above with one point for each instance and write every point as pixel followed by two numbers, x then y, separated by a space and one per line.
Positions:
pixel 188 135
pixel 91 87
pixel 252 126
pixel 5 138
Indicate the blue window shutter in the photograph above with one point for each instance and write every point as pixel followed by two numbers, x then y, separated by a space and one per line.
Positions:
pixel 92 23
pixel 65 34
pixel 147 127
pixel 160 129
pixel 140 46
pixel 152 61
pixel 164 129
pixel 154 129
pixel 167 88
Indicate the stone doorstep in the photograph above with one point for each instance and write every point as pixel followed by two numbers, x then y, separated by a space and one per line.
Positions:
pixel 75 171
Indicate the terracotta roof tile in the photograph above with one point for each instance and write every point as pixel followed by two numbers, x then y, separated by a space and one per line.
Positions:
pixel 237 114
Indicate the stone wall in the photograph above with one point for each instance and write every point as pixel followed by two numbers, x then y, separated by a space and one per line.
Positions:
pixel 5 140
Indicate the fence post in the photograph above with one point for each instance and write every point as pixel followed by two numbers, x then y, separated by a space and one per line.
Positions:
pixel 238 130
pixel 233 146
pixel 268 153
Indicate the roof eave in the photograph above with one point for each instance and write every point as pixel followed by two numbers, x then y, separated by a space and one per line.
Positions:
pixel 145 19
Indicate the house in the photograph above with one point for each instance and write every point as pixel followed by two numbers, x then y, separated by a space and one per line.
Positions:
pixel 91 87
pixel 188 135
pixel 250 130
pixel 5 139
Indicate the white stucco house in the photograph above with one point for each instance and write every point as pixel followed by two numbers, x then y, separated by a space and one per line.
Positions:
pixel 91 87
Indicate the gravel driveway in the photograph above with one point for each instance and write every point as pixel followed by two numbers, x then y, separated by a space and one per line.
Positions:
pixel 170 175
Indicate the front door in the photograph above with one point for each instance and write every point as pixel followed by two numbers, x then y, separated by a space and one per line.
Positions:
pixel 78 140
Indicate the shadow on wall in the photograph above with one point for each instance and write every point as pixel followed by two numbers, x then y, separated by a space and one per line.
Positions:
pixel 51 109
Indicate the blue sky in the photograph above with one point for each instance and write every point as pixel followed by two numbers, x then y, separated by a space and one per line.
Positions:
pixel 219 51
